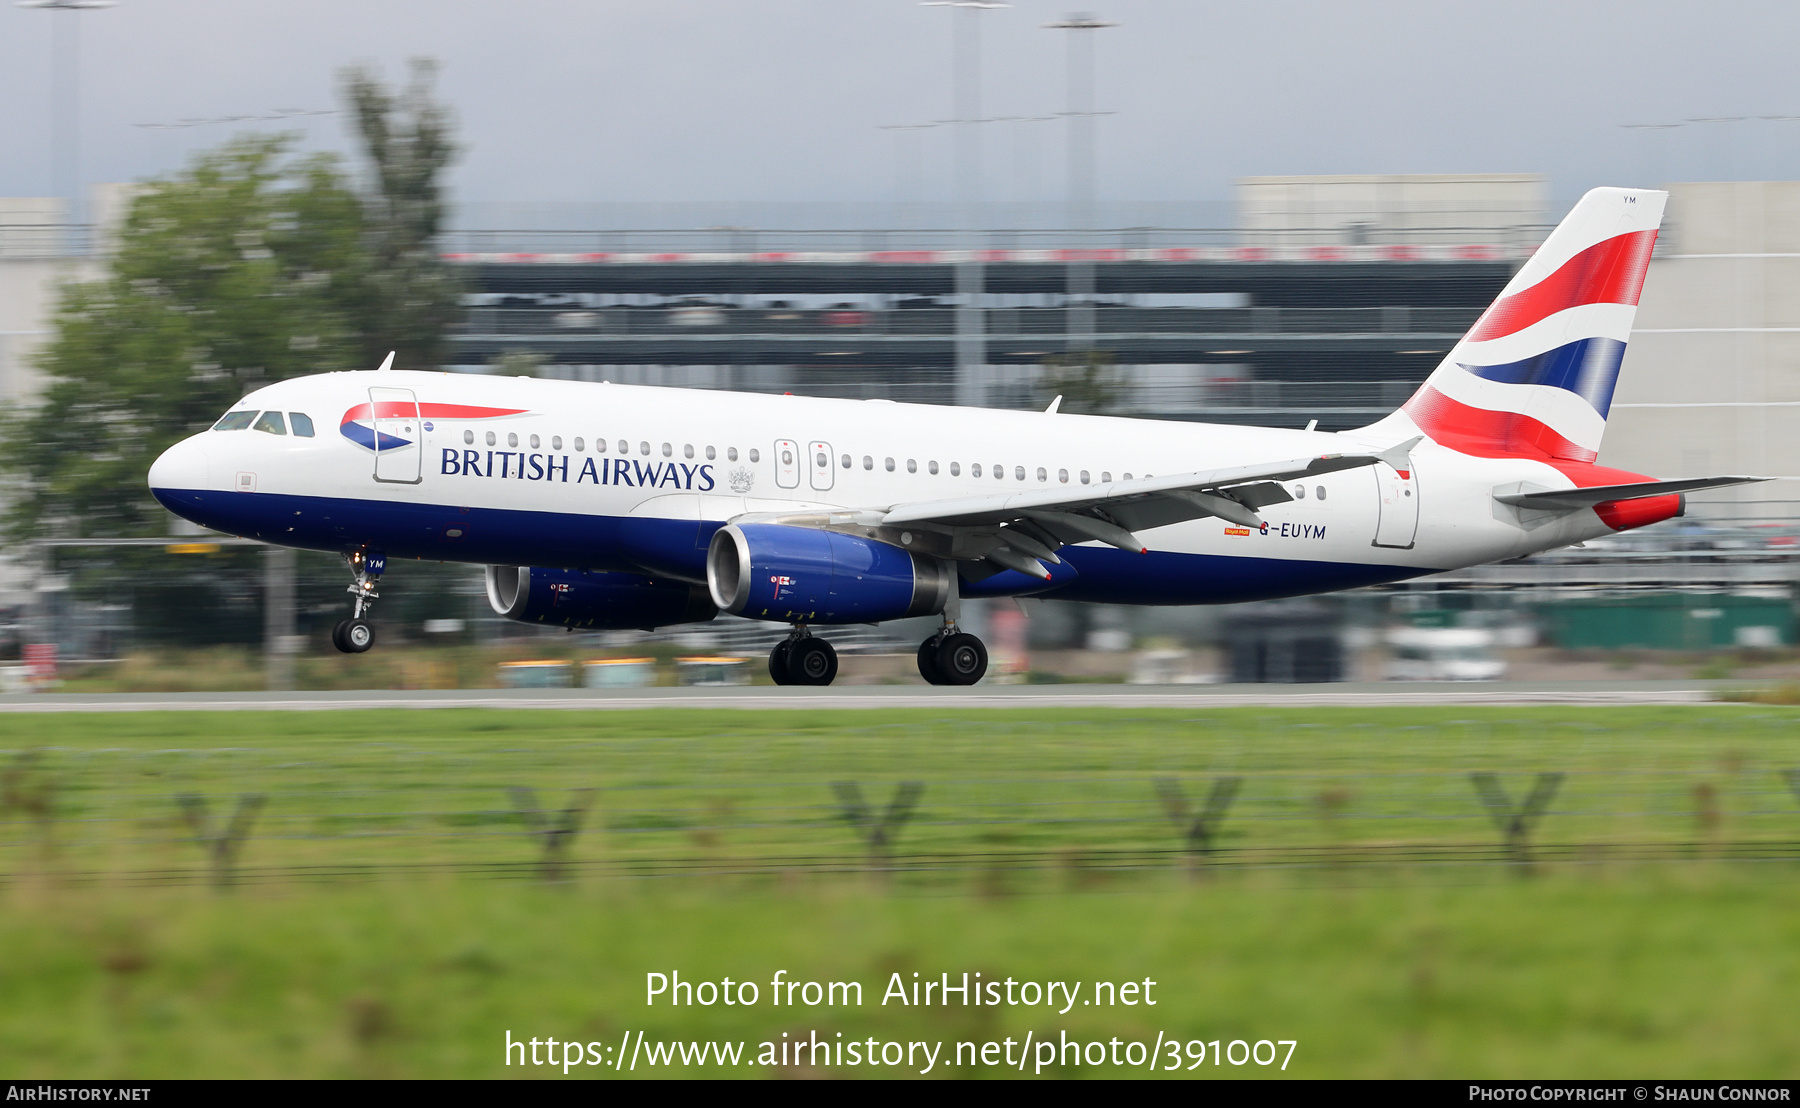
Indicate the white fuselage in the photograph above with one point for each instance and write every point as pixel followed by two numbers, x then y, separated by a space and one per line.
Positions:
pixel 606 476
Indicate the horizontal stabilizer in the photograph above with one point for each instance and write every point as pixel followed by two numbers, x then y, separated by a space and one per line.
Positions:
pixel 1572 499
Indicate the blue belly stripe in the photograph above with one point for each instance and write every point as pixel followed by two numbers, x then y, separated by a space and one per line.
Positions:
pixel 677 548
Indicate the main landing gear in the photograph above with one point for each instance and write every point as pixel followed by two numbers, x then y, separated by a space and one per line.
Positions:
pixel 952 657
pixel 801 659
pixel 355 635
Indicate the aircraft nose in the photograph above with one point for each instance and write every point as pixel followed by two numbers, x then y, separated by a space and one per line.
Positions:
pixel 182 466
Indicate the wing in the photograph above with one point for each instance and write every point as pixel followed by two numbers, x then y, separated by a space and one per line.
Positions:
pixel 1022 530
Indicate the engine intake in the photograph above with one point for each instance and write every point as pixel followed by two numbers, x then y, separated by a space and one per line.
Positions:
pixel 782 572
pixel 598 601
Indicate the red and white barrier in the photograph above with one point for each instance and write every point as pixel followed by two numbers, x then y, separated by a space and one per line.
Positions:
pixel 1389 252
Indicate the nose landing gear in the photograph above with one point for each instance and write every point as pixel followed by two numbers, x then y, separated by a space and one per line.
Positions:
pixel 801 659
pixel 355 635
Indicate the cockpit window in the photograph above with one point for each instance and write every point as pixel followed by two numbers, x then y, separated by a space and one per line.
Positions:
pixel 272 423
pixel 235 421
pixel 302 424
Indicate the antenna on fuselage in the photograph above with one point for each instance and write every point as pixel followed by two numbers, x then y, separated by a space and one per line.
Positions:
pixel 387 363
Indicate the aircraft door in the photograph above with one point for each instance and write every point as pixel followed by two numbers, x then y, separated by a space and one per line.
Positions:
pixel 819 455
pixel 787 463
pixel 1397 501
pixel 398 434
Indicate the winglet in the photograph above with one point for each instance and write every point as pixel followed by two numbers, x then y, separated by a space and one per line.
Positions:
pixel 387 363
pixel 1400 456
pixel 1054 404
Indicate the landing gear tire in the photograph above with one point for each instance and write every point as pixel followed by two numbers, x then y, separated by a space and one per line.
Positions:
pixel 778 663
pixel 811 662
pixel 961 659
pixel 928 662
pixel 353 636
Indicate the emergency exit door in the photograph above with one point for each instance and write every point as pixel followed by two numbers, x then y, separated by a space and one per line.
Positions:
pixel 818 454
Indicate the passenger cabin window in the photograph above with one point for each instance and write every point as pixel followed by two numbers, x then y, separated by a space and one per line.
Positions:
pixel 1063 476
pixel 687 451
pixel 534 442
pixel 731 453
pixel 1320 491
pixel 468 438
pixel 301 423
pixel 890 465
pixel 490 438
pixel 912 466
pixel 1000 472
pixel 644 449
pixel 580 444
pixel 270 422
pixel 868 462
pixel 755 454
pixel 1084 476
pixel 711 453
pixel 556 442
pixel 1106 477
pixel 235 421
pixel 512 440
pixel 668 451
pixel 932 467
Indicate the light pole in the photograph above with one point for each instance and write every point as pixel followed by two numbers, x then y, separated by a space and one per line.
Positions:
pixel 971 322
pixel 1080 115
pixel 65 82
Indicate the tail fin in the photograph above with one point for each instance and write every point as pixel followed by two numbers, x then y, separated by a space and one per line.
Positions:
pixel 1534 377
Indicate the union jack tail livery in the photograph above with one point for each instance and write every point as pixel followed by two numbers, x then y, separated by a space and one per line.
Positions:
pixel 1534 377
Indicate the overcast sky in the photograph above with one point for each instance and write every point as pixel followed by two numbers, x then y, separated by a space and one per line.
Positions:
pixel 584 100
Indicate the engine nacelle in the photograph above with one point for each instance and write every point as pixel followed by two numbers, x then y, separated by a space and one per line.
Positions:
pixel 598 601
pixel 777 571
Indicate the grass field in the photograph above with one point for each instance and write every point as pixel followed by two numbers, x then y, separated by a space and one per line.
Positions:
pixel 398 903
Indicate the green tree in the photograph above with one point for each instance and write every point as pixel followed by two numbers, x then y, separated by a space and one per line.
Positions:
pixel 243 269
pixel 250 266
pixel 1089 382
pixel 411 297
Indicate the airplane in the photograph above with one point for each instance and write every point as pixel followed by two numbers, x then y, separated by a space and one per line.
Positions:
pixel 607 506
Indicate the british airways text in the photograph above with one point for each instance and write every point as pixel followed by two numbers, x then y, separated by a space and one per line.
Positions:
pixel 555 467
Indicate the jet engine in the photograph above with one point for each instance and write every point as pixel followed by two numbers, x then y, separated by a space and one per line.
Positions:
pixel 594 601
pixel 781 572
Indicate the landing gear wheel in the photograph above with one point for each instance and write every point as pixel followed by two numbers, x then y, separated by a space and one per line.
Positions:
pixel 961 659
pixel 811 662
pixel 353 636
pixel 778 663
pixel 928 662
